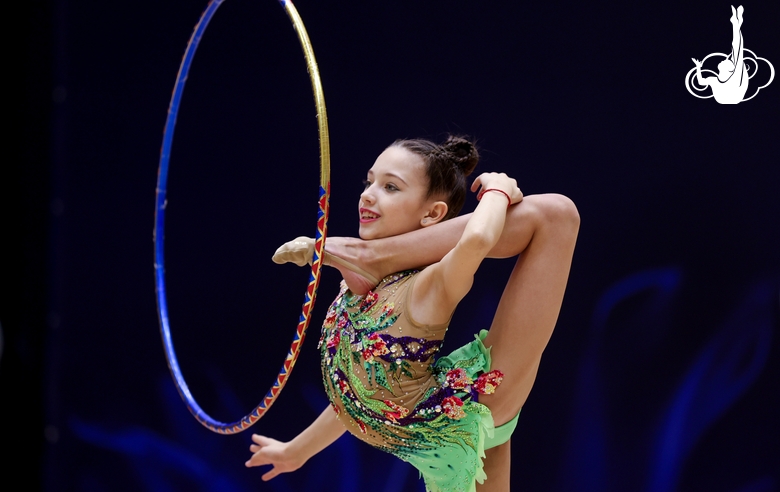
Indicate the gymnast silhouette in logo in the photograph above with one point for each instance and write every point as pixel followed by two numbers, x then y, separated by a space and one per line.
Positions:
pixel 731 83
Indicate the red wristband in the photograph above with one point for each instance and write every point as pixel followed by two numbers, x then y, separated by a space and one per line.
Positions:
pixel 479 197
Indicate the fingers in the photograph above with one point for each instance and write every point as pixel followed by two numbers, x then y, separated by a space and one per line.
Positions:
pixel 494 180
pixel 267 451
pixel 477 182
pixel 261 440
pixel 489 180
pixel 517 196
pixel 270 474
pixel 257 459
pixel 498 181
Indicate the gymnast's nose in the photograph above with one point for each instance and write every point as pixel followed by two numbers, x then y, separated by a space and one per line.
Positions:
pixel 367 197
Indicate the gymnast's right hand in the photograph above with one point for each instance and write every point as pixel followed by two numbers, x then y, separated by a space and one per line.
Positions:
pixel 267 451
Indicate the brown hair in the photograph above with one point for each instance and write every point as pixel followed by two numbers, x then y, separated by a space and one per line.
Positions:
pixel 446 166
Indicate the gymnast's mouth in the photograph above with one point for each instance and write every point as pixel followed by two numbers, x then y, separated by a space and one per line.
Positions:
pixel 368 215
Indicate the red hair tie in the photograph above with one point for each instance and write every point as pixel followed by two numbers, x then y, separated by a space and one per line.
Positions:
pixel 479 197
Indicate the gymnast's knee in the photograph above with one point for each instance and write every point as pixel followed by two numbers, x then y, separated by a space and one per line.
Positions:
pixel 559 211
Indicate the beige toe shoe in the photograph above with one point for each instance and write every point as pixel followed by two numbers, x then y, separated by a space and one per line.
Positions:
pixel 301 252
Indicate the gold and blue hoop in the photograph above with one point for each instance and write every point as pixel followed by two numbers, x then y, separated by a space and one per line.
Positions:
pixel 320 235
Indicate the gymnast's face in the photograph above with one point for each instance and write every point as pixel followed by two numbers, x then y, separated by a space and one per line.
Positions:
pixel 394 200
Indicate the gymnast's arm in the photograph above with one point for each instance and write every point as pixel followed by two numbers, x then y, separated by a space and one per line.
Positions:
pixel 289 456
pixel 701 80
pixel 426 246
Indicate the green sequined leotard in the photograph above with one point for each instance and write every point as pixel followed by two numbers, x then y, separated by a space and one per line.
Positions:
pixel 379 373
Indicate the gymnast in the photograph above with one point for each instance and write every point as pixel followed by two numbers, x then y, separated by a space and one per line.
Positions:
pixel 731 84
pixel 451 416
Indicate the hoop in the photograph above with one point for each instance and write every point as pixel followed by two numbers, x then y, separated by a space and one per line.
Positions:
pixel 159 227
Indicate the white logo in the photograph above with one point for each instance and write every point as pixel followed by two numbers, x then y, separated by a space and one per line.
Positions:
pixel 730 84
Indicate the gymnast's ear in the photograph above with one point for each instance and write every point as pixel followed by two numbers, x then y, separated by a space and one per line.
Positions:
pixel 435 214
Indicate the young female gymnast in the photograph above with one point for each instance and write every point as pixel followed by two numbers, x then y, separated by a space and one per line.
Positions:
pixel 379 342
pixel 731 84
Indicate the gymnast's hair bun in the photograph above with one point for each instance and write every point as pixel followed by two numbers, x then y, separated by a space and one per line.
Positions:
pixel 462 152
pixel 446 166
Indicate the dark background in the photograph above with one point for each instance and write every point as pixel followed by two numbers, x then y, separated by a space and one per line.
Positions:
pixel 662 373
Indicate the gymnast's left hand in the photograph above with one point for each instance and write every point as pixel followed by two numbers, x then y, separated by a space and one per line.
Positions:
pixel 498 181
pixel 267 451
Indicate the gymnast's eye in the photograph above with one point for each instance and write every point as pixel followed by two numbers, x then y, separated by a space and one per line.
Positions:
pixel 391 187
pixel 366 184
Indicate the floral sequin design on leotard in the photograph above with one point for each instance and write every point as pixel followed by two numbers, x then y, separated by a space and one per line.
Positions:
pixel 384 384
